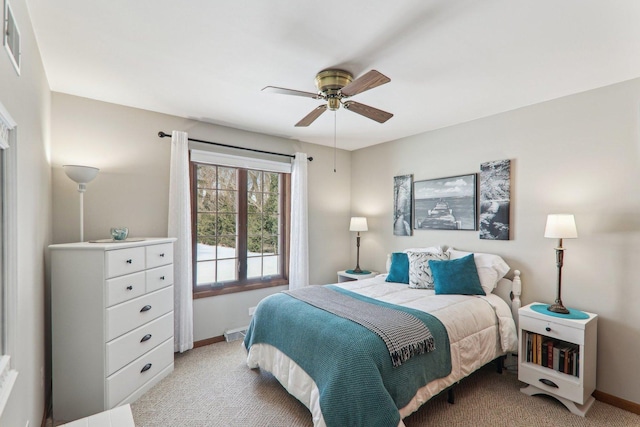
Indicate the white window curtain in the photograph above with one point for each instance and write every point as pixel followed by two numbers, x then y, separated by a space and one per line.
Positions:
pixel 299 246
pixel 180 227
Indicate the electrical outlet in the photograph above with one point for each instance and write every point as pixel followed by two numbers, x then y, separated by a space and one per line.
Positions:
pixel 252 310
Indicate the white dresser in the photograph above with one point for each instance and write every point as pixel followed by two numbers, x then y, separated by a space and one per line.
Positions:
pixel 112 323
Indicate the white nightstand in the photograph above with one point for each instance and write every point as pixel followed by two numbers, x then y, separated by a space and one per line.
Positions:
pixel 557 355
pixel 343 276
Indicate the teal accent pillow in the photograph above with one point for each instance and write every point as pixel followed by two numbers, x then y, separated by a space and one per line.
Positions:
pixel 399 270
pixel 456 276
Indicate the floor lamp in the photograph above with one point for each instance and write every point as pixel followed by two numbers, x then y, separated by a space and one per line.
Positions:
pixel 358 223
pixel 560 226
pixel 81 175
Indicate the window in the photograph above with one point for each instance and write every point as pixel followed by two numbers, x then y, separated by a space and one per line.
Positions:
pixel 8 249
pixel 239 227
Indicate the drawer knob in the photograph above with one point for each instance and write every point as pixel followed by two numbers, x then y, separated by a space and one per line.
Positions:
pixel 161 277
pixel 548 329
pixel 146 338
pixel 129 288
pixel 145 308
pixel 548 382
pixel 129 261
pixel 146 367
pixel 162 255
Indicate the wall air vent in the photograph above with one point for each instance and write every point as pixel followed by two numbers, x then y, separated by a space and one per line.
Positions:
pixel 11 38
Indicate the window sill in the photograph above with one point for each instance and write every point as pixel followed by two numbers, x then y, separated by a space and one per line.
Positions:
pixel 210 292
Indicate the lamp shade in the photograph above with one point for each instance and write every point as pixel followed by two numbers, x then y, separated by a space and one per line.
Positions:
pixel 561 226
pixel 80 174
pixel 358 223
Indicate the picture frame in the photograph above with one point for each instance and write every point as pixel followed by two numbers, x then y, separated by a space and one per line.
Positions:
pixel 445 203
pixel 495 200
pixel 11 36
pixel 402 205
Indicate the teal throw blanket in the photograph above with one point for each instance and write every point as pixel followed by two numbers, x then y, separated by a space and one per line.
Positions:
pixel 357 382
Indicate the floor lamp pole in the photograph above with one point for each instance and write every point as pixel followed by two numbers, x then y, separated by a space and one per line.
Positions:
pixel 81 189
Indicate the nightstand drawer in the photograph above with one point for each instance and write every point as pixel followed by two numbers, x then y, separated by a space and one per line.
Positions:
pixel 552 329
pixel 566 386
pixel 127 316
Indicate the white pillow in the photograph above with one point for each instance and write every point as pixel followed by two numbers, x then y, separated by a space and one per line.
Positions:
pixel 491 268
pixel 420 276
pixel 430 249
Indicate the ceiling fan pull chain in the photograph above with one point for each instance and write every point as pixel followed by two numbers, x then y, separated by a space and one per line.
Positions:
pixel 335 112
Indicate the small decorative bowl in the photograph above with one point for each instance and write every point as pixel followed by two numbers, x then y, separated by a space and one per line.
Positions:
pixel 119 233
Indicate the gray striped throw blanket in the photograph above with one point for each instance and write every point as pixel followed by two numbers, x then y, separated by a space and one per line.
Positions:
pixel 404 334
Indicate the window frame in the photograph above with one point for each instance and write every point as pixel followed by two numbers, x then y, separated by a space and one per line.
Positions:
pixel 8 263
pixel 243 284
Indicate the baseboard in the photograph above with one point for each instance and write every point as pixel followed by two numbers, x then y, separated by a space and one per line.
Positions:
pixel 208 341
pixel 617 402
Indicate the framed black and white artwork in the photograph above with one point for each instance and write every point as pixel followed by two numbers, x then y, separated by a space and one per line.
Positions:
pixel 445 203
pixel 495 200
pixel 402 205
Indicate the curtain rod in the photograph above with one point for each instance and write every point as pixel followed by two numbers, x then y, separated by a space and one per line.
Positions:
pixel 165 135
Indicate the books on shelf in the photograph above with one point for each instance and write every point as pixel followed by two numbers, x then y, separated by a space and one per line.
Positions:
pixel 552 353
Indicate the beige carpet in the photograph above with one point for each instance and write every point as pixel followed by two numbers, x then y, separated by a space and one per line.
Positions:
pixel 212 386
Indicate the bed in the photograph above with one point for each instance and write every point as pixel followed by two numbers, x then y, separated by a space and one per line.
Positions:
pixel 344 379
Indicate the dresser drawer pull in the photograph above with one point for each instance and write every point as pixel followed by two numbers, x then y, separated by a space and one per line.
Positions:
pixel 548 382
pixel 146 338
pixel 548 329
pixel 162 255
pixel 161 277
pixel 146 367
pixel 145 308
pixel 129 288
pixel 129 261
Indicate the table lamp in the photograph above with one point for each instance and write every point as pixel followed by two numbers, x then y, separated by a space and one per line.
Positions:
pixel 358 223
pixel 560 226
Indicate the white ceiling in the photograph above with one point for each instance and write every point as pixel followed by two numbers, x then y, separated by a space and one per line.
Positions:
pixel 449 61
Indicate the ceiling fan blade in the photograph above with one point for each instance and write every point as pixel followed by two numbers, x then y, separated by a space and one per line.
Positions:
pixel 365 82
pixel 309 118
pixel 369 112
pixel 285 91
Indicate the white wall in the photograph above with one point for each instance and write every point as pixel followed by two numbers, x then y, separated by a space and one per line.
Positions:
pixel 579 154
pixel 131 189
pixel 27 98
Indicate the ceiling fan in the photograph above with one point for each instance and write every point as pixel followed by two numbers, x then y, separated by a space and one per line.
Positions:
pixel 334 86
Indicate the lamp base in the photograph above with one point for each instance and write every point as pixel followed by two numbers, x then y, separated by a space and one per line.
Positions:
pixel 558 308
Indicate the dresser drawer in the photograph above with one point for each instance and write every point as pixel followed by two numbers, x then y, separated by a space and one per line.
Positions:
pixel 566 386
pixel 552 329
pixel 124 261
pixel 131 314
pixel 137 373
pixel 158 278
pixel 158 255
pixel 134 344
pixel 124 288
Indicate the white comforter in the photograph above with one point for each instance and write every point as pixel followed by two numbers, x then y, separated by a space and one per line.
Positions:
pixel 480 329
